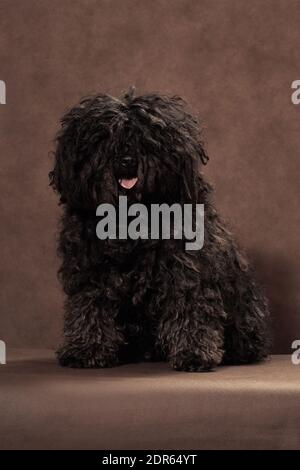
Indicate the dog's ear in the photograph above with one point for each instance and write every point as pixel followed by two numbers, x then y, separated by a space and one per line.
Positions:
pixel 55 175
pixel 193 157
pixel 72 147
pixel 61 177
pixel 194 189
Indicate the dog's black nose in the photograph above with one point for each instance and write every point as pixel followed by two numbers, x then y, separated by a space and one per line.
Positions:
pixel 127 162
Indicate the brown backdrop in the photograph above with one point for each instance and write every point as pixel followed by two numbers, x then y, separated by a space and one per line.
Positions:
pixel 233 60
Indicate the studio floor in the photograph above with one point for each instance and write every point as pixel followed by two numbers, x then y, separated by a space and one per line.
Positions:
pixel 147 406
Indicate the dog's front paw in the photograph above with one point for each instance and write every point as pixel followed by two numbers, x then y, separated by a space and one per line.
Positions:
pixel 80 357
pixel 196 362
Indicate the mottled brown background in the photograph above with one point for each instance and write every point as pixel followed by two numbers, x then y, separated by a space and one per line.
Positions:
pixel 233 60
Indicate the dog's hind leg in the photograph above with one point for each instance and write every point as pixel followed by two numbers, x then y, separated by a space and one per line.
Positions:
pixel 247 335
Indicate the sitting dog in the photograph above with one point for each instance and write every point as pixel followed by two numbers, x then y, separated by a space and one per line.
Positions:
pixel 147 300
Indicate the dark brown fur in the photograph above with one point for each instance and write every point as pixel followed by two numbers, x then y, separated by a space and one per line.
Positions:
pixel 148 300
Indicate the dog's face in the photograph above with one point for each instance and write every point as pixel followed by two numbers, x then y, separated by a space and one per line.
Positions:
pixel 146 147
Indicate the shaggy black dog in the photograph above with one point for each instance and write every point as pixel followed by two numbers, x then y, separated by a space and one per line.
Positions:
pixel 136 300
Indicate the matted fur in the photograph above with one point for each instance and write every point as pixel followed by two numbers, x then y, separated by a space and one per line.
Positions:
pixel 148 299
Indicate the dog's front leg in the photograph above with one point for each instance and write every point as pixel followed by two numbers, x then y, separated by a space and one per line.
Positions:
pixel 92 338
pixel 190 331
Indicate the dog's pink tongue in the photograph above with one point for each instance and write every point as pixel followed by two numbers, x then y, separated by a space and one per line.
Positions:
pixel 127 183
